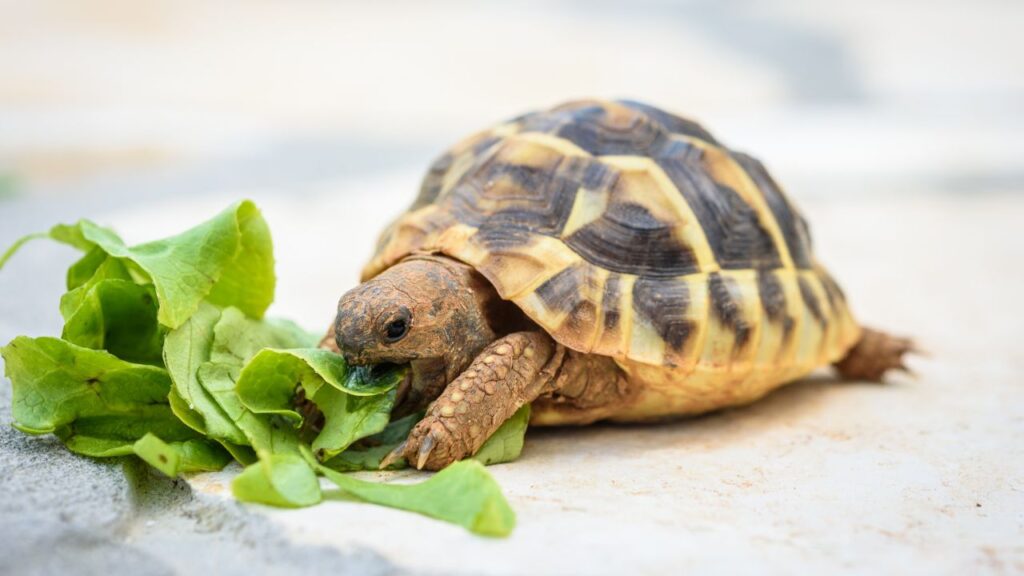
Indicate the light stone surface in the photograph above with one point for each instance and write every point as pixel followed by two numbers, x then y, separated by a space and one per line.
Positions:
pixel 898 128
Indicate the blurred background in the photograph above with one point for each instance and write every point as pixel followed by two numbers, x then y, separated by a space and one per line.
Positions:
pixel 146 99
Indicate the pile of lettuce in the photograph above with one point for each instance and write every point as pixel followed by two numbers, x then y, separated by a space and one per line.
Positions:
pixel 166 355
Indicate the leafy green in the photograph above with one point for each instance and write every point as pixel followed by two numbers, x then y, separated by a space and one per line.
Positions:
pixel 87 268
pixel 98 404
pixel 370 380
pixel 236 339
pixel 181 457
pixel 320 366
pixel 186 348
pixel 204 357
pixel 85 274
pixel 98 447
pixel 365 458
pixel 369 452
pixel 227 260
pixel 265 435
pixel 506 443
pixel 348 418
pixel 243 454
pixel 120 317
pixel 75 234
pixel 113 434
pixel 396 431
pixel 59 382
pixel 284 480
pixel 268 383
pixel 463 493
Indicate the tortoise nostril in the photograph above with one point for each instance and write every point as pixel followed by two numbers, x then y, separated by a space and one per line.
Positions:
pixel 350 354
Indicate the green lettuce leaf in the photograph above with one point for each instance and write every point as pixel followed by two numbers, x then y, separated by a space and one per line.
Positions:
pixel 227 260
pixel 204 357
pixel 180 408
pixel 506 443
pixel 56 382
pixel 98 447
pixel 98 404
pixel 244 455
pixel 368 453
pixel 186 348
pixel 463 493
pixel 205 361
pixel 321 367
pixel 181 457
pixel 285 480
pixel 348 418
pixel 236 340
pixel 266 434
pixel 120 317
pixel 88 268
pixel 357 459
pixel 82 280
pixel 267 385
pixel 113 434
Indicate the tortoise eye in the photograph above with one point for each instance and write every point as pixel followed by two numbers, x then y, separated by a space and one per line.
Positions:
pixel 396 329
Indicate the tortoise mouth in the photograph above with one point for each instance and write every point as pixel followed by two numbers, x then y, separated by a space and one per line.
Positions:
pixel 381 369
pixel 376 361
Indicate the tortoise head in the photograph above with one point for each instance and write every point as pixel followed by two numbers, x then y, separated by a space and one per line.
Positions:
pixel 420 308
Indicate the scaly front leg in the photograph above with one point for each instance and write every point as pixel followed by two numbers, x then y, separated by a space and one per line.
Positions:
pixel 510 372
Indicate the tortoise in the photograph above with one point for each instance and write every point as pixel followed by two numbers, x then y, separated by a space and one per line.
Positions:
pixel 603 261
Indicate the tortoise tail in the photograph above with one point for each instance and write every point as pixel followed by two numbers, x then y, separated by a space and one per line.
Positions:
pixel 873 355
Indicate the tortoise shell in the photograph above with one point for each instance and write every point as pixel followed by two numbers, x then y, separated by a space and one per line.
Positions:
pixel 626 231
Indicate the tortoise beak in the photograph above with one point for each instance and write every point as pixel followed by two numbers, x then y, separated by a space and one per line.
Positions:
pixel 351 331
pixel 350 359
pixel 352 354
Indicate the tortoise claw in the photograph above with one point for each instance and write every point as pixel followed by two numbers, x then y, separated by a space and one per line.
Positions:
pixel 393 456
pixel 424 452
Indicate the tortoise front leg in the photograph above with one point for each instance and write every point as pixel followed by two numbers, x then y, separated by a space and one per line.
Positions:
pixel 510 372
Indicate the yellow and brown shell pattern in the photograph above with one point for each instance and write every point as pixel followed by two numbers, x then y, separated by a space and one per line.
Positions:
pixel 632 233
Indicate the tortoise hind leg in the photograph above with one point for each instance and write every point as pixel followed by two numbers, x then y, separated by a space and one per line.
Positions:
pixel 873 355
pixel 588 388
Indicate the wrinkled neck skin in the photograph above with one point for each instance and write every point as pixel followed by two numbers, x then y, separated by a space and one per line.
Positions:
pixel 451 309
